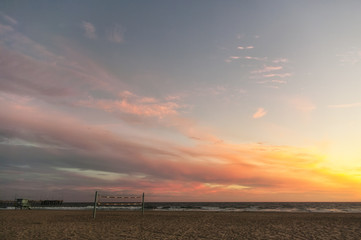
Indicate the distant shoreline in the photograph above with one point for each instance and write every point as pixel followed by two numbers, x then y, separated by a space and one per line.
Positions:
pixel 334 207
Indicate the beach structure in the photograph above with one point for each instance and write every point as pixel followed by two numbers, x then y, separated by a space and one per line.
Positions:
pixel 118 201
pixel 51 202
pixel 22 203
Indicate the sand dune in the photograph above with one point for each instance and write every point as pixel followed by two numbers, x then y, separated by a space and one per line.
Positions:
pixel 64 225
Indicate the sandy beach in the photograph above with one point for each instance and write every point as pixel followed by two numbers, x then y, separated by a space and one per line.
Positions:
pixel 53 224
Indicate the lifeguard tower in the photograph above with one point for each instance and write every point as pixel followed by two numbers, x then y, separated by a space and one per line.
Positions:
pixel 22 203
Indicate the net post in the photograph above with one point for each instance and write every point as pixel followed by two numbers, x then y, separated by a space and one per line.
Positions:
pixel 95 204
pixel 143 204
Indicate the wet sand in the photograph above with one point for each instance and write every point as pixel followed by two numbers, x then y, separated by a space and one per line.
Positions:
pixel 64 225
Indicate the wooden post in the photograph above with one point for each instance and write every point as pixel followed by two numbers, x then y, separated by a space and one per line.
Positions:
pixel 143 204
pixel 95 204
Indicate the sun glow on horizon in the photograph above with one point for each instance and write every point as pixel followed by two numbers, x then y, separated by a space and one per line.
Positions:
pixel 209 102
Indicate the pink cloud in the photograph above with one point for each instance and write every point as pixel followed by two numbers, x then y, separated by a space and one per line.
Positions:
pixel 49 77
pixel 32 87
pixel 232 58
pixel 161 167
pixel 29 68
pixel 159 110
pixel 256 58
pixel 148 100
pixel 189 128
pixel 126 94
pixel 302 104
pixel 259 113
pixel 268 72
pixel 281 75
pixel 133 104
pixel 268 69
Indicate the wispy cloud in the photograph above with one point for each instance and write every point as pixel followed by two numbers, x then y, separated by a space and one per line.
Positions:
pixel 30 69
pixel 89 30
pixel 272 74
pixel 173 97
pixel 232 58
pixel 243 48
pixel 302 104
pixel 22 74
pixel 280 60
pixel 116 33
pixel 4 29
pixel 350 57
pixel 280 75
pixel 256 58
pixel 273 81
pixel 85 156
pixel 8 19
pixel 268 69
pixel 12 40
pixel 261 112
pixel 84 144
pixel 349 105
pixel 118 160
pixel 133 104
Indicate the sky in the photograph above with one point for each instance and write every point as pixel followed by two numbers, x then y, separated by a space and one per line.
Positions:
pixel 183 100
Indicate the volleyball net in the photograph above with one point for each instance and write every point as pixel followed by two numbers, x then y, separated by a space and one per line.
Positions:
pixel 122 200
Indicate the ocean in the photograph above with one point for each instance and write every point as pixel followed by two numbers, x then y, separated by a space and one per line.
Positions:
pixel 327 207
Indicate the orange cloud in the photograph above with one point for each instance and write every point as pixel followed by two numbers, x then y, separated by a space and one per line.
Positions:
pixel 133 104
pixel 260 113
pixel 52 149
pixel 167 169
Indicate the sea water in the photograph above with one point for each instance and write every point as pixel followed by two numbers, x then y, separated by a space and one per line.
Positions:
pixel 336 207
